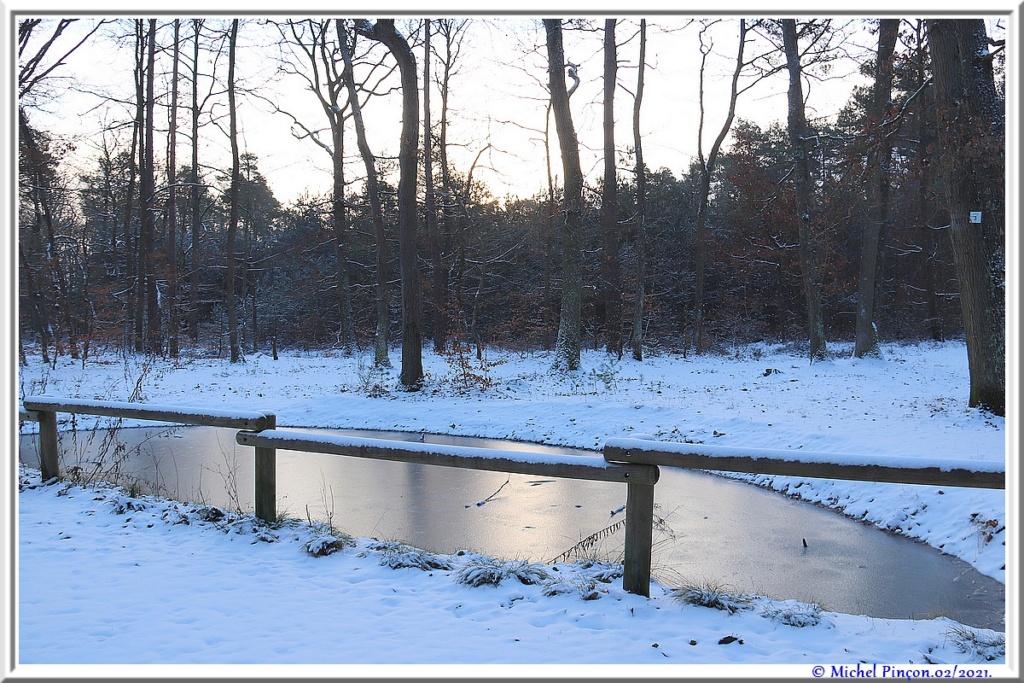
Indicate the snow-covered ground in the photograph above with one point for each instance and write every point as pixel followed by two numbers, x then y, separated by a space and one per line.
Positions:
pixel 103 582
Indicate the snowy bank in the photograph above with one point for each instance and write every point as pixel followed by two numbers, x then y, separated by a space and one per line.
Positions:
pixel 110 579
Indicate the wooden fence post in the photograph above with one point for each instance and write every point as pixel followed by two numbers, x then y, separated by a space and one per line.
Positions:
pixel 636 575
pixel 266 478
pixel 48 461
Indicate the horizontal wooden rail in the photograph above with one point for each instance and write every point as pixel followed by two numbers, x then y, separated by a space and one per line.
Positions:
pixel 44 409
pixel 897 470
pixel 592 468
pixel 177 414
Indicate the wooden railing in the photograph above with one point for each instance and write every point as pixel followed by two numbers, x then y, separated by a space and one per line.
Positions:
pixel 44 409
pixel 260 433
pixel 639 479
pixel 796 463
pixel 634 462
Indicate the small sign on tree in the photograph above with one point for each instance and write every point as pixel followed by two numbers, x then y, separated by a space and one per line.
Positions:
pixel 975 216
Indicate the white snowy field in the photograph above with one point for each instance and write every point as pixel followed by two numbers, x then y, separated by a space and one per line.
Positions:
pixel 101 582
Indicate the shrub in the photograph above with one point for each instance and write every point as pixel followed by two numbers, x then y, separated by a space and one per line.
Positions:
pixel 399 555
pixel 482 571
pixel 712 595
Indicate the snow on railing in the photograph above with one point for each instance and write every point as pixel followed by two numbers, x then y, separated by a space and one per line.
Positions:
pixel 897 470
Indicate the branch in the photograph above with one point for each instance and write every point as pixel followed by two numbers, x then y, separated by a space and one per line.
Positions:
pixel 26 81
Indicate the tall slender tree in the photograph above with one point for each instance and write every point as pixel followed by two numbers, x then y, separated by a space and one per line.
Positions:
pixel 611 275
pixel 195 216
pixel 637 339
pixel 384 31
pixel 568 342
pixel 707 168
pixel 136 312
pixel 440 284
pixel 233 198
pixel 380 343
pixel 172 211
pixel 879 160
pixel 451 33
pixel 310 53
pixel 147 249
pixel 799 141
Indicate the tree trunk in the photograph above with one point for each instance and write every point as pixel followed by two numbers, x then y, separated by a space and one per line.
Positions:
pixel 411 375
pixel 172 210
pixel 380 345
pixel 797 128
pixel 147 249
pixel 707 167
pixel 611 276
pixel 879 157
pixel 971 137
pixel 449 29
pixel 197 252
pixel 341 229
pixel 236 354
pixel 138 255
pixel 567 345
pixel 440 286
pixel 339 210
pixel 637 341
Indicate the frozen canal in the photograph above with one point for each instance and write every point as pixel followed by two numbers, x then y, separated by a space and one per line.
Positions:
pixel 713 530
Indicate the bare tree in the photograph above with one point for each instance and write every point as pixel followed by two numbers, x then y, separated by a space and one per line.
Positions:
pixel 971 124
pixel 195 216
pixel 313 57
pixel 879 159
pixel 637 339
pixel 37 63
pixel 233 198
pixel 798 140
pixel 567 345
pixel 172 212
pixel 707 167
pixel 380 343
pixel 440 284
pixel 147 254
pixel 451 33
pixel 136 311
pixel 611 275
pixel 384 31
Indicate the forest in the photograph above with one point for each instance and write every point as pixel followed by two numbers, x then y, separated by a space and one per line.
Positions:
pixel 884 222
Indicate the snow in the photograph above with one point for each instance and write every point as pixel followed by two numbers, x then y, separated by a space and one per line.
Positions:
pixel 942 464
pixel 105 578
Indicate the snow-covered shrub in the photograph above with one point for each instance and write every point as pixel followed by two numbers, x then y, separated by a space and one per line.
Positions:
pixel 121 504
pixel 986 644
pixel 328 544
pixel 400 555
pixel 605 572
pixel 586 587
pixel 481 571
pixel 793 613
pixel 712 595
